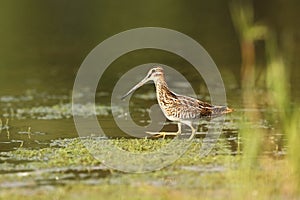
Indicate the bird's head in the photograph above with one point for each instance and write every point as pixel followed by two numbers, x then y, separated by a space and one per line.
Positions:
pixel 154 74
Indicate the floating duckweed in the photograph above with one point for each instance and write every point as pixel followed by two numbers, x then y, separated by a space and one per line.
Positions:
pixel 71 153
pixel 60 111
pixel 140 145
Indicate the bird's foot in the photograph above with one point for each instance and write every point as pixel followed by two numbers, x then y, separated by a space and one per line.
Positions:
pixel 162 134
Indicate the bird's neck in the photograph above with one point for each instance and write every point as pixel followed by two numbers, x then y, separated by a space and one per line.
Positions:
pixel 162 89
pixel 160 83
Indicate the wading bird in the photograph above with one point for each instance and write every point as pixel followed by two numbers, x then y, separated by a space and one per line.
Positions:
pixel 178 108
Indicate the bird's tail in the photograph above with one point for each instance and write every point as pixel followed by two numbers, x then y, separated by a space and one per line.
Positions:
pixel 218 110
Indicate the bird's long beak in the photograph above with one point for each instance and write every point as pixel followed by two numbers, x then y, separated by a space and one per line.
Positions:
pixel 142 82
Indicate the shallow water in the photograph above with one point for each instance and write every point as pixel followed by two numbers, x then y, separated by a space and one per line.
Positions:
pixel 35 121
pixel 27 127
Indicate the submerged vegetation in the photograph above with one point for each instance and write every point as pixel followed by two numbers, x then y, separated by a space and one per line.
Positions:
pixel 68 165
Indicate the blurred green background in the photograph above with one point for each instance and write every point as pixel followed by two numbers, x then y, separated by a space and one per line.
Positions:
pixel 44 42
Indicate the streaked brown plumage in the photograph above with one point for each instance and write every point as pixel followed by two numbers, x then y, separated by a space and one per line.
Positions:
pixel 178 108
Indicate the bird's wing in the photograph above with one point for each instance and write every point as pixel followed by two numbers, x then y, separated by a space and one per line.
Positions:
pixel 193 108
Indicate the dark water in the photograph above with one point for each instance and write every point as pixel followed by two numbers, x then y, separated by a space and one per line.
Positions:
pixel 44 43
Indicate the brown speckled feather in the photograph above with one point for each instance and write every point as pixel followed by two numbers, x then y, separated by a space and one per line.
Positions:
pixel 181 107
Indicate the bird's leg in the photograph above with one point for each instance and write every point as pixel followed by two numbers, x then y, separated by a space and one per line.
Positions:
pixel 193 133
pixel 190 124
pixel 179 128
